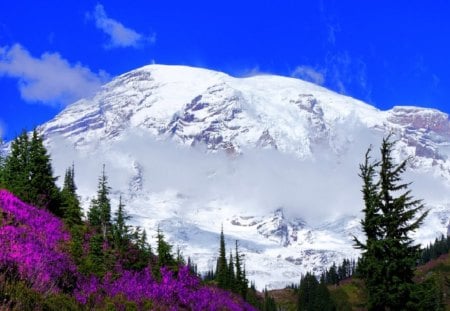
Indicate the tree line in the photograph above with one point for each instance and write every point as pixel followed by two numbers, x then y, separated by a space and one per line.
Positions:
pixel 101 239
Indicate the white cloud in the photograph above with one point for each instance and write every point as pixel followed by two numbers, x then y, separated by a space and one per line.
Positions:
pixel 255 183
pixel 309 74
pixel 120 36
pixel 50 78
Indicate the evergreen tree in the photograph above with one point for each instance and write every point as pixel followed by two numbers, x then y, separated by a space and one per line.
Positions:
pixel 29 175
pixel 388 255
pixel 231 278
pixel 99 214
pixel 269 303
pixel 42 185
pixel 70 203
pixel 221 268
pixel 143 245
pixel 164 249
pixel 192 266
pixel 332 275
pixel 307 297
pixel 16 166
pixel 2 164
pixel 314 295
pixel 241 281
pixel 96 257
pixel 121 231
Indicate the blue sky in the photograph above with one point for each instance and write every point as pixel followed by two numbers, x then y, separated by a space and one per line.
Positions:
pixel 386 53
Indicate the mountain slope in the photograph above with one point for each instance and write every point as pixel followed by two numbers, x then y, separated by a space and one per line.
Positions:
pixel 273 159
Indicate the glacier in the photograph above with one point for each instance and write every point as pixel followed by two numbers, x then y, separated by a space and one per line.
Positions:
pixel 274 160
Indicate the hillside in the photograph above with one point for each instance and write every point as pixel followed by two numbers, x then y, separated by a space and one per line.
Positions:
pixel 38 271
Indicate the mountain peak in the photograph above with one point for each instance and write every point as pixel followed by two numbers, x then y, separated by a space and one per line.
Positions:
pixel 295 146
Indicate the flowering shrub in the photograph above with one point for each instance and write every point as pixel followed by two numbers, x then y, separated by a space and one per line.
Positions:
pixel 30 243
pixel 181 292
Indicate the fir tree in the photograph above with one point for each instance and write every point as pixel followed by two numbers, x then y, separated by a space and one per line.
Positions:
pixel 28 173
pixel 314 295
pixel 388 255
pixel 192 266
pixel 221 268
pixel 42 186
pixel 99 214
pixel 121 231
pixel 16 165
pixel 231 278
pixel 269 303
pixel 143 245
pixel 2 164
pixel 241 282
pixel 69 199
pixel 164 249
pixel 96 257
pixel 179 259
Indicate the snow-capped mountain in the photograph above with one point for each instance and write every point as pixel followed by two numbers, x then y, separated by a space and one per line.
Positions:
pixel 272 159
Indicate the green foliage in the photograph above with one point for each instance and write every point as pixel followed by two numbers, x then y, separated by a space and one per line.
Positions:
pixel 99 214
pixel 348 296
pixel 268 303
pixel 138 253
pixel 388 255
pixel 95 261
pixel 231 277
pixel 120 229
pixel 241 283
pixel 440 247
pixel 119 302
pixel 28 173
pixel 221 268
pixel 17 295
pixel 426 296
pixel 314 295
pixel 2 164
pixel 165 257
pixel 70 204
pixel 335 274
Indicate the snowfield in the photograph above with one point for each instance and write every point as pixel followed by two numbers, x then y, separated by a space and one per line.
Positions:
pixel 272 159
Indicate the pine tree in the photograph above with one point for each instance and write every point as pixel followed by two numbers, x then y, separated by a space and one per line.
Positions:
pixel 179 259
pixel 388 255
pixel 231 278
pixel 332 275
pixel 42 184
pixel 29 175
pixel 241 281
pixel 314 295
pixel 70 203
pixel 99 214
pixel 2 164
pixel 120 230
pixel 269 303
pixel 16 166
pixel 164 249
pixel 96 256
pixel 221 268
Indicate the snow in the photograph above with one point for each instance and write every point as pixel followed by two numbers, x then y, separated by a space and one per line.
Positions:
pixel 272 159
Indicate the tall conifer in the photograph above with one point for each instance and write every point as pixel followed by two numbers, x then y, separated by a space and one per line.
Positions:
pixel 221 268
pixel 391 214
pixel 99 214
pixel 120 229
pixel 28 173
pixel 69 199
